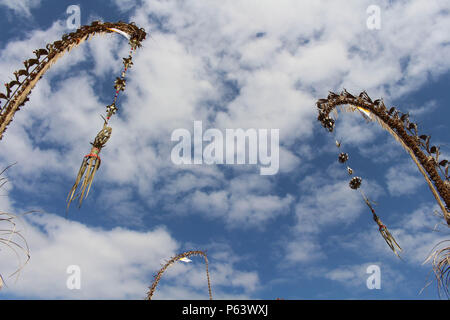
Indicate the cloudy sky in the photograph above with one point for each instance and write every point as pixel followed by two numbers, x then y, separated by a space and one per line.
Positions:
pixel 299 234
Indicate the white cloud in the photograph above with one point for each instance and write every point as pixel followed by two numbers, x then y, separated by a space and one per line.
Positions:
pixel 355 276
pixel 330 204
pixel 403 179
pixel 115 264
pixel 304 250
pixel 21 7
pixel 245 202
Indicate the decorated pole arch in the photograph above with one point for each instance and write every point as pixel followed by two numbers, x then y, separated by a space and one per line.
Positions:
pixel 424 155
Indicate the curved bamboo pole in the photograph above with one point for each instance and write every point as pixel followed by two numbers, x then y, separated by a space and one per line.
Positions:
pixel 18 97
pixel 174 259
pixel 397 125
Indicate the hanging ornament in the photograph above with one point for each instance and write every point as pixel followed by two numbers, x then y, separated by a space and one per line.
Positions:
pixel 355 183
pixel 361 104
pixel 91 162
pixel 343 157
pixel 329 124
pixel 338 144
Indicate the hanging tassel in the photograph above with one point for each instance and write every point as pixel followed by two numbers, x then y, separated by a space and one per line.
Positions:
pixel 387 236
pixel 89 166
pixel 390 240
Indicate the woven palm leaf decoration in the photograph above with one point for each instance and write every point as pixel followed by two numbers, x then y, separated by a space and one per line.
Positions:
pixel 91 162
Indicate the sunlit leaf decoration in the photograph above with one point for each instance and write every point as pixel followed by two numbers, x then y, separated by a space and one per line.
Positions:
pixel 180 257
pixel 91 162
pixel 424 155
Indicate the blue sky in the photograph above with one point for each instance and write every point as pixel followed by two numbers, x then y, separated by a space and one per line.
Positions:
pixel 298 234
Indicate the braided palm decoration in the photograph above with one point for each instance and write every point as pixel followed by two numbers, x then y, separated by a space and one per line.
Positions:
pixel 179 257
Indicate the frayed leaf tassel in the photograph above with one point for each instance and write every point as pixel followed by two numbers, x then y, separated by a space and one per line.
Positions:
pixel 387 236
pixel 89 166
pixel 390 240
